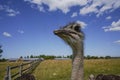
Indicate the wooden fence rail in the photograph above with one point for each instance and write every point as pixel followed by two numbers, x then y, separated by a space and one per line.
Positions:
pixel 31 66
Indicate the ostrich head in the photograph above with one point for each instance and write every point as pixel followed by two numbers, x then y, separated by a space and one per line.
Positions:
pixel 71 34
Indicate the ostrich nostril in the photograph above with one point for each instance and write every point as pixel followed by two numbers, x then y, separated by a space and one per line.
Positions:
pixel 55 32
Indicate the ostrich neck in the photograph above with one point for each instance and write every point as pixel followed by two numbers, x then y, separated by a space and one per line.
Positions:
pixel 77 62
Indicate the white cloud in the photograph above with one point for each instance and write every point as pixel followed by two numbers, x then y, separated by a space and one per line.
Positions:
pixel 115 26
pixel 63 5
pixel 9 11
pixel 38 7
pixel 7 34
pixel 12 12
pixel 21 31
pixel 109 17
pixel 41 8
pixel 74 14
pixel 100 7
pixel 88 9
pixel 118 41
pixel 83 24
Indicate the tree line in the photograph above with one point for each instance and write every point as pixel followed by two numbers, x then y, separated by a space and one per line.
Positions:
pixel 53 56
pixel 69 56
pixel 97 57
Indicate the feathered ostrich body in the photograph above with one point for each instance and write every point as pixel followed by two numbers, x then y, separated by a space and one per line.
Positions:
pixel 74 37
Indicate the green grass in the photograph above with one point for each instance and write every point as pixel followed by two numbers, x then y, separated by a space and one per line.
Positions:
pixel 53 70
pixel 3 67
pixel 104 66
pixel 61 69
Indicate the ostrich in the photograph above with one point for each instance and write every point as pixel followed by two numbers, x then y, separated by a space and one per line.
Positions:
pixel 26 77
pixel 104 77
pixel 74 37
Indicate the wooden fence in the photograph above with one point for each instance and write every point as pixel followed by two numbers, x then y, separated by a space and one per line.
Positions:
pixel 21 69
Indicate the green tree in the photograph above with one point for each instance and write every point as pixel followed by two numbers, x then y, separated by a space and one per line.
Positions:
pixel 88 57
pixel 94 57
pixel 31 56
pixel 1 51
pixel 27 56
pixel 107 57
pixel 101 57
pixel 21 57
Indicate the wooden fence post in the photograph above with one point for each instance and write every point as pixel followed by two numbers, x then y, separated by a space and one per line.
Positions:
pixel 20 70
pixel 9 70
pixel 32 64
pixel 8 74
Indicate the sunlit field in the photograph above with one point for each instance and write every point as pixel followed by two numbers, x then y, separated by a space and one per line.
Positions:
pixel 3 67
pixel 61 69
pixel 53 70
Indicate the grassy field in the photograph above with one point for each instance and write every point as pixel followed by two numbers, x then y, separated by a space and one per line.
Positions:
pixel 61 69
pixel 3 67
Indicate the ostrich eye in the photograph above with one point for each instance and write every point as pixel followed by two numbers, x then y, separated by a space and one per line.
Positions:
pixel 77 28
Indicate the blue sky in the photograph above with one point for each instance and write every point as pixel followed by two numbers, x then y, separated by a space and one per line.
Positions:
pixel 26 26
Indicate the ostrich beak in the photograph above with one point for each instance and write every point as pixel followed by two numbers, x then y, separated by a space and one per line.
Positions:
pixel 55 32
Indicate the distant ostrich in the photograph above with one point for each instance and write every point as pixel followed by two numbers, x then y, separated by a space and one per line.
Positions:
pixel 74 37
pixel 26 77
pixel 104 77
